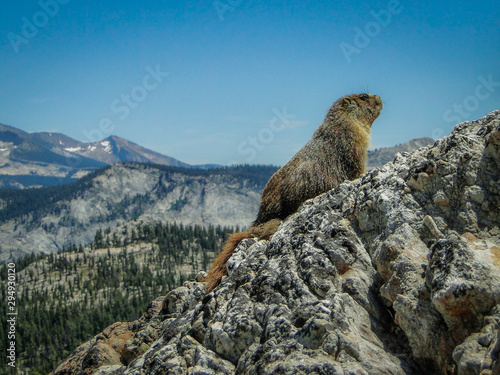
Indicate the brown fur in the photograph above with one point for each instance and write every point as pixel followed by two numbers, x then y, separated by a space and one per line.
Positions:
pixel 218 269
pixel 336 152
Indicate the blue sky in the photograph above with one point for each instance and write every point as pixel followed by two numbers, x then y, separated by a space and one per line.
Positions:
pixel 242 81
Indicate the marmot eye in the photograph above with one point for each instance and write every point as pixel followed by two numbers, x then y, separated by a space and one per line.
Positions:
pixel 363 96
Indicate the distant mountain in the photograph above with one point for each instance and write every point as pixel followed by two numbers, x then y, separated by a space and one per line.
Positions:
pixel 26 161
pixel 58 140
pixel 46 220
pixel 25 147
pixel 110 150
pixel 47 159
pixel 377 158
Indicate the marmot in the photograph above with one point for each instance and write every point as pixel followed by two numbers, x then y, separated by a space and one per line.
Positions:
pixel 336 152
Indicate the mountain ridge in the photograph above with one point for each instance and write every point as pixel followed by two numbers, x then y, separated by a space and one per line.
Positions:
pixel 110 150
pixel 46 220
pixel 377 158
pixel 43 159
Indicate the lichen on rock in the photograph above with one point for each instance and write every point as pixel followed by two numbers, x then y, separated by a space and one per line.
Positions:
pixel 397 272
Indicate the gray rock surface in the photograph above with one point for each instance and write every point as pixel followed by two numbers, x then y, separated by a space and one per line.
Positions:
pixel 397 272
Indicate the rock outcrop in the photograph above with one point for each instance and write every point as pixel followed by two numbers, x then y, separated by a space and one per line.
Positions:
pixel 397 272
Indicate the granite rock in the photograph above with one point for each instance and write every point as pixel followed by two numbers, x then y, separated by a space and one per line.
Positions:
pixel 397 272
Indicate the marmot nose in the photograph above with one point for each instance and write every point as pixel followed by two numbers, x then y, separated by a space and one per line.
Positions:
pixel 378 101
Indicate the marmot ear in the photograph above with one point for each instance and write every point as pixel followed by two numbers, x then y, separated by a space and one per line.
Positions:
pixel 348 101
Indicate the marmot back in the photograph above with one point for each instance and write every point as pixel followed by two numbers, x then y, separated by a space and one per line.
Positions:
pixel 336 152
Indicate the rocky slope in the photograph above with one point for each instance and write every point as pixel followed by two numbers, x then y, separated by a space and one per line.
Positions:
pixel 397 272
pixel 131 192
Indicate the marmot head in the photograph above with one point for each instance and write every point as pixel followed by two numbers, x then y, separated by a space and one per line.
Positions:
pixel 363 107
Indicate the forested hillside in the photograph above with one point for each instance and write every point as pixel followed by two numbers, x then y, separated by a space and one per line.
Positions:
pixel 49 219
pixel 66 298
pixel 15 203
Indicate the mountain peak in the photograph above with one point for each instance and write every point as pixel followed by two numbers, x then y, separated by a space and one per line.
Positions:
pixel 51 158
